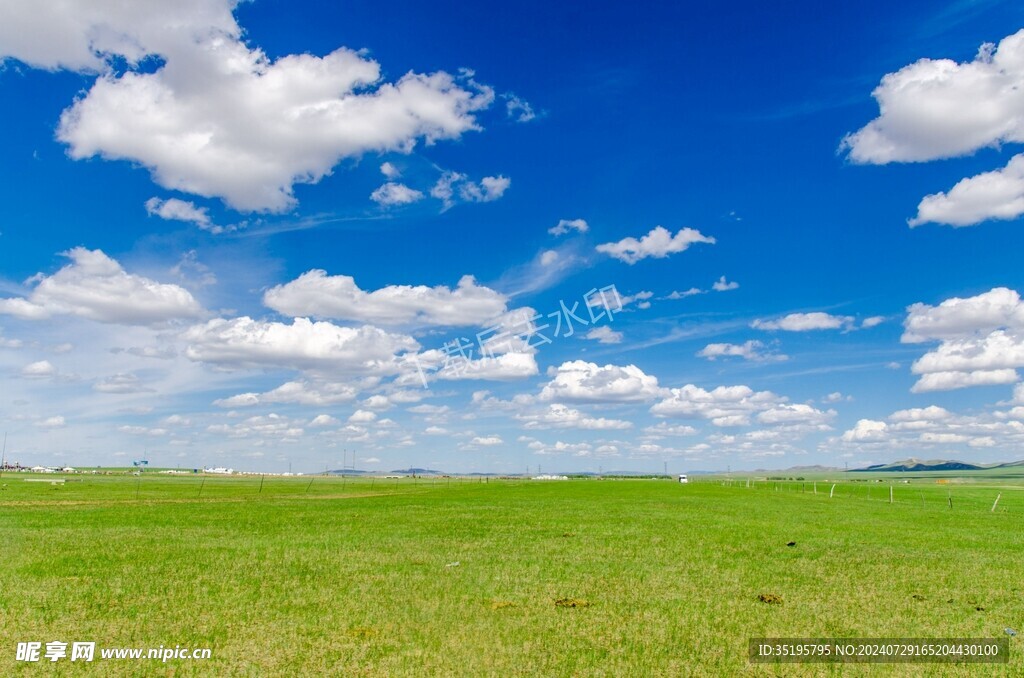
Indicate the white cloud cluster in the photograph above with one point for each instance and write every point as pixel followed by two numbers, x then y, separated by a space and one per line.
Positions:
pixel 659 243
pixel 322 420
pixel 509 366
pixel 454 186
pixel 722 406
pixel 10 343
pixel 937 108
pixel 518 109
pixel 676 294
pixel 981 340
pixel 804 322
pixel 393 193
pixel 797 414
pixel 664 429
pixel 121 383
pixel 94 286
pixel 560 447
pixel 51 422
pixel 41 369
pixel 932 428
pixel 581 381
pixel 562 416
pixel 181 210
pixel 317 294
pixel 217 117
pixel 604 335
pixel 991 195
pixel 303 345
pixel 271 426
pixel 722 285
pixel 568 225
pixel 296 392
pixel 749 350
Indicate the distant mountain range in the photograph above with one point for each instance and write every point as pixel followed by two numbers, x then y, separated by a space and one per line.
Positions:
pixel 911 465
pixel 933 465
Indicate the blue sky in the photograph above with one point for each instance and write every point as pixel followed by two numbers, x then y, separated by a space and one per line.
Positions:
pixel 283 233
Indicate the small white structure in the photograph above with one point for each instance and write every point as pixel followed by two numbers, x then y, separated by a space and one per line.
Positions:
pixel 682 478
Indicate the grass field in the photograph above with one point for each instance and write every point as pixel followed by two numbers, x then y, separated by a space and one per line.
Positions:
pixel 453 577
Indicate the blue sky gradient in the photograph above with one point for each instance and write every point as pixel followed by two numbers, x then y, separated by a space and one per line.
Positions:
pixel 169 195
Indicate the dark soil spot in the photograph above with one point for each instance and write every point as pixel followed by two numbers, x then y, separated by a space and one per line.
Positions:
pixel 770 598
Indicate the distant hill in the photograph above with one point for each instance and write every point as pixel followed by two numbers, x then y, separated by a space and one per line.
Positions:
pixel 418 472
pixel 817 468
pixel 1012 464
pixel 933 465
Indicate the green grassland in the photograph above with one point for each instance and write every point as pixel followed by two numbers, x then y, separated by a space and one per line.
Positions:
pixel 333 576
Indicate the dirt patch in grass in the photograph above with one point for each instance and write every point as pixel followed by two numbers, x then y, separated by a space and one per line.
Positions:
pixel 770 598
pixel 572 602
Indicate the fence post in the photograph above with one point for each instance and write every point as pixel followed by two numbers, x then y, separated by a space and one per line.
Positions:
pixel 832 491
pixel 996 502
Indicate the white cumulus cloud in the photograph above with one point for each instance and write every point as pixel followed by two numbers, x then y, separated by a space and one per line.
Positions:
pixel 94 286
pixel 722 406
pixel 303 345
pixel 562 416
pixel 393 193
pixel 937 108
pixel 804 322
pixel 180 210
pixel 749 350
pixel 659 243
pixel 604 335
pixel 317 294
pixel 454 187
pixel 991 195
pixel 722 285
pixel 980 340
pixel 567 225
pixel 220 118
pixel 582 381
